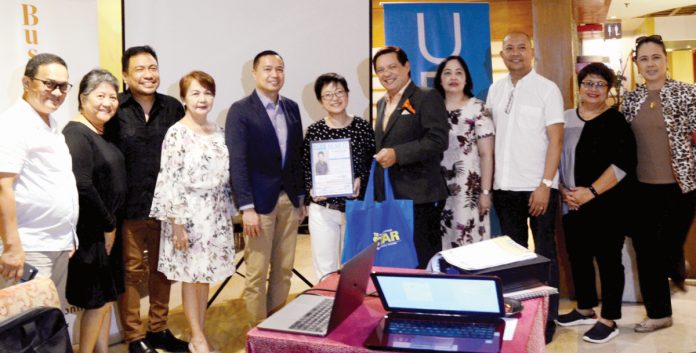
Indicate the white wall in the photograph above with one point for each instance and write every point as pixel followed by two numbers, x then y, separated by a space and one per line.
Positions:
pixel 222 38
pixel 676 27
pixel 66 28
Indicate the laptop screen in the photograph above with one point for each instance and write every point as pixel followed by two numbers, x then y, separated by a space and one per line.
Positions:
pixel 451 294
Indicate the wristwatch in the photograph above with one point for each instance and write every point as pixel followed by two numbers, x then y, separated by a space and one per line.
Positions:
pixel 548 183
pixel 486 192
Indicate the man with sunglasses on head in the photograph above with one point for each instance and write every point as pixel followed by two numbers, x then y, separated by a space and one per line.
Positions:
pixel 38 193
pixel 527 111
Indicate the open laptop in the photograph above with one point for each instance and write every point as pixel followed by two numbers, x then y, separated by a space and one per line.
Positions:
pixel 430 312
pixel 317 314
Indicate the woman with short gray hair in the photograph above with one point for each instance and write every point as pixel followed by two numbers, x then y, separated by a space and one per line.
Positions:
pixel 95 271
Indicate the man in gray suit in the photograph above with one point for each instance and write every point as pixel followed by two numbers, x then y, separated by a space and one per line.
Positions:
pixel 411 134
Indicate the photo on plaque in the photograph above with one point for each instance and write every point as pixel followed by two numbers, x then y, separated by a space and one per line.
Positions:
pixel 332 169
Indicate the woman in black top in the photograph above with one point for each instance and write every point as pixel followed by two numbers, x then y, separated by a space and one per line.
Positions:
pixel 95 271
pixel 599 153
pixel 326 215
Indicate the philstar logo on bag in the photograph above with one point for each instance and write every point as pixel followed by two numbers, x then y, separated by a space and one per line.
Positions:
pixel 387 237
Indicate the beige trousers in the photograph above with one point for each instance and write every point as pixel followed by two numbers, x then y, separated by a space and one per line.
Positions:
pixel 274 250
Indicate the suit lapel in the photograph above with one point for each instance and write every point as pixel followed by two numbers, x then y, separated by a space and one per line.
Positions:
pixel 396 114
pixel 379 132
pixel 290 120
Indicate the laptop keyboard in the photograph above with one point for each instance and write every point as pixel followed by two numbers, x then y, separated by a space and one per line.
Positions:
pixel 317 319
pixel 442 329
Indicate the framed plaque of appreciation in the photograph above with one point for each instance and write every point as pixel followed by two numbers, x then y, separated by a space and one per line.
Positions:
pixel 332 168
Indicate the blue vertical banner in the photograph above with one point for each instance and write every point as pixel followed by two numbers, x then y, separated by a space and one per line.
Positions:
pixel 430 32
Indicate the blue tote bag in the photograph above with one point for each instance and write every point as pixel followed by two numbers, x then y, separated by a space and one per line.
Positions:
pixel 388 223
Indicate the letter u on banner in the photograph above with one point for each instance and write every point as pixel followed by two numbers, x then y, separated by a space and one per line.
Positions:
pixel 423 46
pixel 431 32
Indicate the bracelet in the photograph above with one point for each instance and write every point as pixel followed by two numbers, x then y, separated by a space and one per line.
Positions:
pixel 486 192
pixel 593 191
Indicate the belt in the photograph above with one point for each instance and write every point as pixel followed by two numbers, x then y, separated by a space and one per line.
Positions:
pixel 330 206
pixel 333 206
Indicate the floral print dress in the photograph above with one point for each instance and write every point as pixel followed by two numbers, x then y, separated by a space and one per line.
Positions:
pixel 461 223
pixel 193 189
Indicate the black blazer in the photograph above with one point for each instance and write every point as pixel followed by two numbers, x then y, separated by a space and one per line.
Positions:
pixel 256 173
pixel 419 139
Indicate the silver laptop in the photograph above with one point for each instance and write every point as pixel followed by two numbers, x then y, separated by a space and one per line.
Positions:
pixel 318 315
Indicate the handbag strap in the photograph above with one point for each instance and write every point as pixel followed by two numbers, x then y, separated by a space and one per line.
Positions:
pixel 31 333
pixel 370 192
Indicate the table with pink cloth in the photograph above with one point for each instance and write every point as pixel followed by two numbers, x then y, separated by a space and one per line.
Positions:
pixel 349 336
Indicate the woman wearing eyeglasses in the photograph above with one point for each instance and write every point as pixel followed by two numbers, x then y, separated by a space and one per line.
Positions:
pixel 662 114
pixel 599 156
pixel 467 164
pixel 326 215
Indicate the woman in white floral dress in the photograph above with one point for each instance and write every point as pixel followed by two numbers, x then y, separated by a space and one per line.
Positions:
pixel 467 164
pixel 192 199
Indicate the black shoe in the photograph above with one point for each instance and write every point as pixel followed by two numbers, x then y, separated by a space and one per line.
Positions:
pixel 574 318
pixel 166 340
pixel 140 346
pixel 600 333
pixel 550 331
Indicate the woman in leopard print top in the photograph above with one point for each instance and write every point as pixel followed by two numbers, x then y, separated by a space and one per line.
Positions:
pixel 662 114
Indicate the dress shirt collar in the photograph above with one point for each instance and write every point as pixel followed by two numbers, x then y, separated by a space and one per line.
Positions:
pixel 126 98
pixel 265 101
pixel 526 77
pixel 398 95
pixel 36 120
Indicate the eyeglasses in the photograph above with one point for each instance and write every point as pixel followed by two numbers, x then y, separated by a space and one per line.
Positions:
pixel 52 85
pixel 330 95
pixel 653 38
pixel 591 85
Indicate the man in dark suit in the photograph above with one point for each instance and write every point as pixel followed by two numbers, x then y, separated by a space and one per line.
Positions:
pixel 411 134
pixel 264 137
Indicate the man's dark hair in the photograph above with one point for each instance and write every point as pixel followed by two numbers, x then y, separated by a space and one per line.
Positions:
pixel 597 69
pixel 468 86
pixel 41 59
pixel 133 51
pixel 400 55
pixel 326 79
pixel 264 53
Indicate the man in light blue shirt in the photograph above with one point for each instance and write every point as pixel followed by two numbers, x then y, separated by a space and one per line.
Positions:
pixel 264 135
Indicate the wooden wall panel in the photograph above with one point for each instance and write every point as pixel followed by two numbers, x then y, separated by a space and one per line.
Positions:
pixel 555 60
pixel 690 250
pixel 510 16
pixel 553 50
